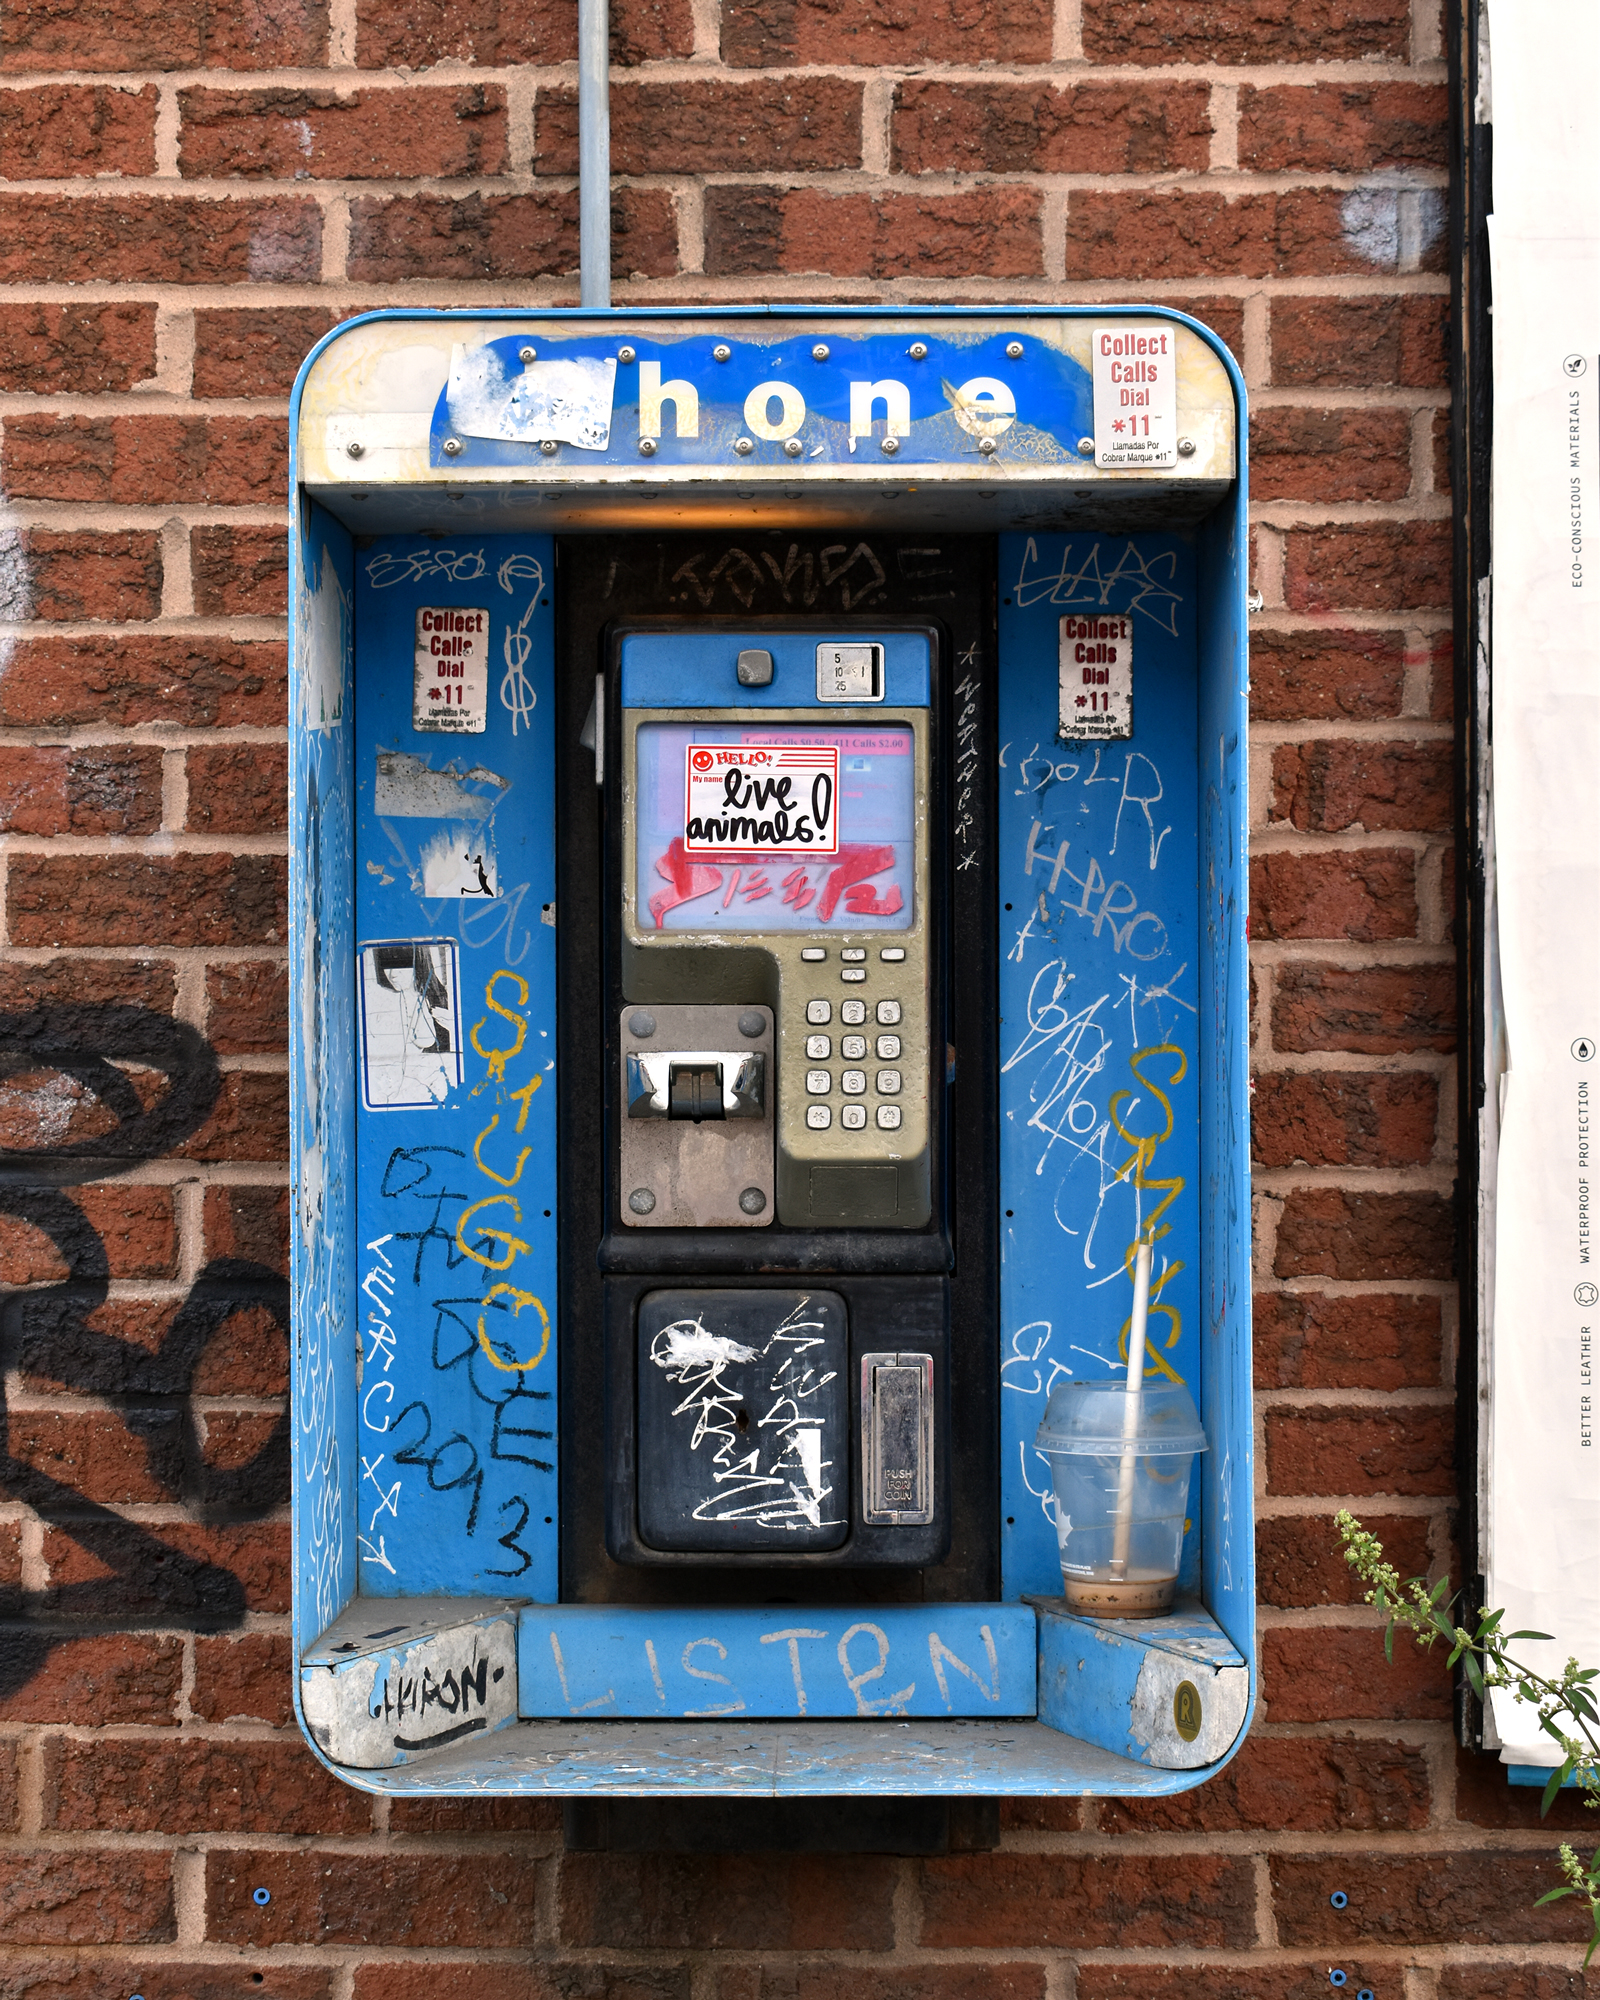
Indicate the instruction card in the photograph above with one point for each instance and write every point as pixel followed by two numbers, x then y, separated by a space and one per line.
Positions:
pixel 451 690
pixel 1135 396
pixel 1096 677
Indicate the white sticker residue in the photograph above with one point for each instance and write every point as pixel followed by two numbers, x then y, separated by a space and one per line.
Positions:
pixel 566 401
pixel 1135 395
pixel 1096 676
pixel 410 1023
pixel 450 692
pixel 781 797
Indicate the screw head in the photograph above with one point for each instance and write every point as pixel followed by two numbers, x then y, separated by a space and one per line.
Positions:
pixel 642 1023
pixel 820 351
pixel 527 353
pixel 918 350
pixel 889 447
pixel 752 1201
pixel 625 354
pixel 451 447
pixel 641 1201
pixel 1186 447
pixel 355 447
pixel 1086 447
pixel 743 446
pixel 1014 350
pixel 988 447
pixel 793 447
pixel 549 447
pixel 752 1024
pixel 647 447
pixel 721 352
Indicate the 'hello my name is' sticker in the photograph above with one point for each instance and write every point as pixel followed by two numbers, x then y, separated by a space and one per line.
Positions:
pixel 755 797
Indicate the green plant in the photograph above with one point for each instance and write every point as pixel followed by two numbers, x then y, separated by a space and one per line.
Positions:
pixel 1427 1611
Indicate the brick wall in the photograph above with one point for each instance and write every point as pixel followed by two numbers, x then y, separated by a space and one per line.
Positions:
pixel 194 193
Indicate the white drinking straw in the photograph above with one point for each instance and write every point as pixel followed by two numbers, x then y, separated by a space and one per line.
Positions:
pixel 1130 1412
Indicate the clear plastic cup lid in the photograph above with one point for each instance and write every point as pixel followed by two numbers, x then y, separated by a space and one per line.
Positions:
pixel 1084 1420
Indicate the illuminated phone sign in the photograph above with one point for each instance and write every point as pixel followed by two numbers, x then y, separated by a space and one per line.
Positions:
pixel 743 798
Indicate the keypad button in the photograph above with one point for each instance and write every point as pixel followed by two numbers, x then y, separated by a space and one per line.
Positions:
pixel 888 1048
pixel 893 954
pixel 852 955
pixel 819 1082
pixel 888 1118
pixel 818 1048
pixel 813 954
pixel 853 1116
pixel 853 1082
pixel 819 1012
pixel 888 1083
pixel 819 1117
pixel 852 1013
pixel 852 1047
pixel 888 1013
pixel 852 975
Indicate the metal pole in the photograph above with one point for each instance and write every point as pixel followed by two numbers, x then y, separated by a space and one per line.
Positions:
pixel 594 151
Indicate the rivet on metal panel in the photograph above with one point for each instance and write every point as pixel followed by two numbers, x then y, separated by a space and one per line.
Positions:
pixel 647 447
pixel 752 1201
pixel 451 447
pixel 820 351
pixel 625 354
pixel 889 447
pixel 1186 447
pixel 549 447
pixel 743 447
pixel 751 1024
pixel 527 353
pixel 1014 350
pixel 1336 1977
pixel 988 447
pixel 642 1024
pixel 1086 447
pixel 261 1897
pixel 918 350
pixel 355 447
pixel 1338 1899
pixel 721 352
pixel 641 1201
pixel 793 447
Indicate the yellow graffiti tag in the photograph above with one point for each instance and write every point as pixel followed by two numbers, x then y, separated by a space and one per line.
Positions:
pixel 497 1058
pixel 520 1299
pixel 513 1244
pixel 1136 1171
pixel 505 1180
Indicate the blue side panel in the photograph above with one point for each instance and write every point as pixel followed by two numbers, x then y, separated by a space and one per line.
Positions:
pixel 1100 996
pixel 1227 1473
pixel 912 1660
pixel 322 1070
pixel 699 669
pixel 454 993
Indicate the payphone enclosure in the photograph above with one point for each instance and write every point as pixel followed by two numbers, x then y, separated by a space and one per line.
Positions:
pixel 768 944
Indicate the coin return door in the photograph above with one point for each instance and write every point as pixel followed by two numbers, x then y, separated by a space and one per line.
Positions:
pixel 695 1122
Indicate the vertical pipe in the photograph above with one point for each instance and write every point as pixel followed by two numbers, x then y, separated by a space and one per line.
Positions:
pixel 594 151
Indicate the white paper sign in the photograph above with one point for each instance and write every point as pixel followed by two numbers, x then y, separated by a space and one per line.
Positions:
pixel 1135 395
pixel 410 1024
pixel 755 797
pixel 450 692
pixel 1096 676
pixel 566 400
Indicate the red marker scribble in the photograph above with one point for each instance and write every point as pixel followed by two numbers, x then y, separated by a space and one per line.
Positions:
pixel 797 888
pixel 689 879
pixel 850 873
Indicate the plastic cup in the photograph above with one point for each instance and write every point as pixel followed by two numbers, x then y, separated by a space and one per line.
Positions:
pixel 1120 1536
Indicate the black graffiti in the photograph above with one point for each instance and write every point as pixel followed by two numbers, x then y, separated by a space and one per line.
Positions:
pixel 49 1333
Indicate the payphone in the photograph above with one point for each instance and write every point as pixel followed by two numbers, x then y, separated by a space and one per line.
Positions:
pixel 768 895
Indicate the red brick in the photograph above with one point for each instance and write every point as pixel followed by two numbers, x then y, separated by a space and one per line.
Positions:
pixel 1295 233
pixel 1300 1560
pixel 249 1224
pixel 1476 1981
pixel 1303 1785
pixel 134 1786
pixel 158 239
pixel 414 34
pixel 66 350
pixel 104 574
pixel 1361 343
pixel 254 350
pixel 244 1677
pixel 1274 1981
pixel 86 1898
pixel 1379 566
pixel 144 677
pixel 1305 676
pixel 991 1980
pixel 151 34
pixel 481 1899
pixel 1223 315
pixel 1472 1898
pixel 1368 1340
pixel 1442 451
pixel 728 1901
pixel 497 1980
pixel 755 126
pixel 249 1121
pixel 146 1347
pixel 179 899
pixel 1330 786
pixel 64 983
pixel 238 788
pixel 1484 1797
pixel 1331 1233
pixel 99 1683
pixel 1406 1450
pixel 103 788
pixel 10 1805
pixel 1035 1900
pixel 367 135
pixel 1365 894
pixel 1333 1673
pixel 1041 1815
pixel 504 236
pixel 1343 128
pixel 1245 31
pixel 1327 455
pixel 140 461
pixel 61 129
pixel 1088 128
pixel 247 1009
pixel 239 572
pixel 176 1567
pixel 1370 1010
pixel 14 1652
pixel 989 232
pixel 1344 1118
pixel 133 1229
pixel 763 33
pixel 243 1460
pixel 103 1978
pixel 115 1459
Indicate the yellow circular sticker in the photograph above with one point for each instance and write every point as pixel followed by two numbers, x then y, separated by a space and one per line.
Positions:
pixel 1186 1710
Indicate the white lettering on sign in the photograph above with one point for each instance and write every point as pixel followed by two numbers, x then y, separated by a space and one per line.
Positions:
pixel 653 392
pixel 745 797
pixel 1096 676
pixel 758 411
pixel 896 400
pixel 1135 396
pixel 451 688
